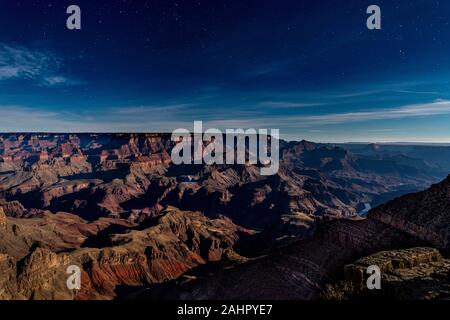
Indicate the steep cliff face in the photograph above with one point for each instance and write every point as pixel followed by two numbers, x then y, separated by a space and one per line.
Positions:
pixel 425 215
pixel 177 242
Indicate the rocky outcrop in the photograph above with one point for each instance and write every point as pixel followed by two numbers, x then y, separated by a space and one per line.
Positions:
pixel 412 274
pixel 13 208
pixel 388 262
pixel 8 284
pixel 62 167
pixel 2 219
pixel 64 188
pixel 146 164
pixel 38 271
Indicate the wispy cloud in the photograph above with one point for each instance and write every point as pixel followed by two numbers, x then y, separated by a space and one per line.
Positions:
pixel 19 118
pixel 358 93
pixel 166 118
pixel 269 69
pixel 290 104
pixel 401 87
pixel 146 110
pixel 438 107
pixel 16 118
pixel 382 130
pixel 42 67
pixel 419 92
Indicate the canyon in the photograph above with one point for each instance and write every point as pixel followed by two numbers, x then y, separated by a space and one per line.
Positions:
pixel 139 225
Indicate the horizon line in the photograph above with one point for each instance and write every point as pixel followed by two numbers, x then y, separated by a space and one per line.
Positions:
pixel 287 140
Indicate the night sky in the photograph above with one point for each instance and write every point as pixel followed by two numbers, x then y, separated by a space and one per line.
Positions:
pixel 310 68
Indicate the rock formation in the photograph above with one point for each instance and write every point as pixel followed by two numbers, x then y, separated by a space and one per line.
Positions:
pixel 410 274
pixel 115 205
pixel 2 218
pixel 303 269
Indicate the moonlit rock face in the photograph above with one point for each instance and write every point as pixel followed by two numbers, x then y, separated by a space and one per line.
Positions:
pixel 2 218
